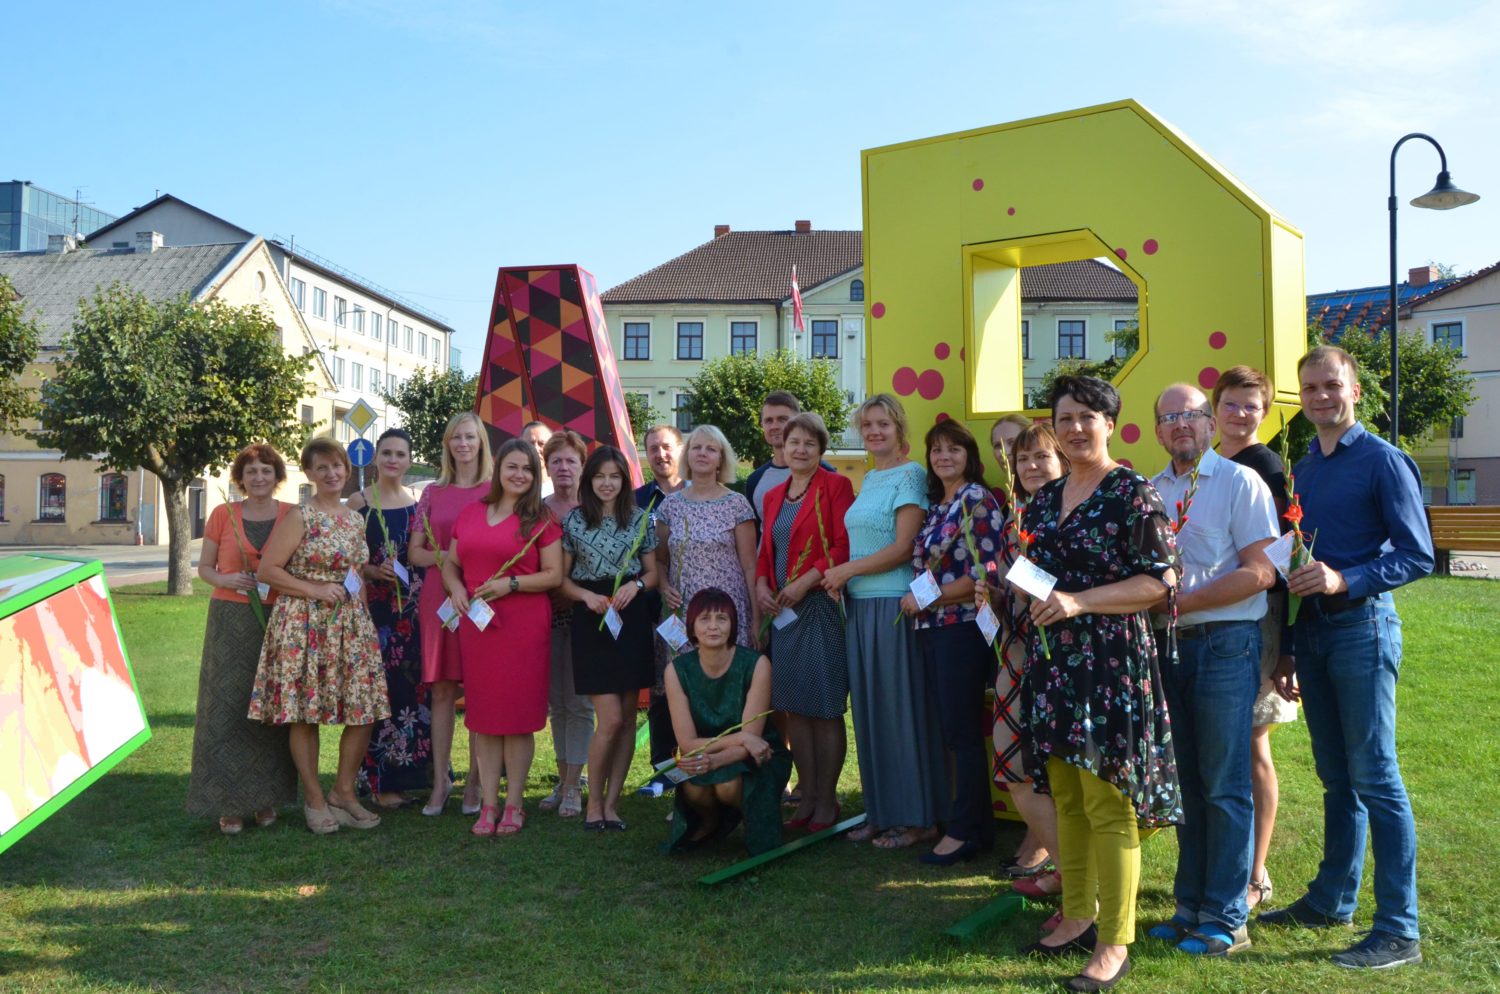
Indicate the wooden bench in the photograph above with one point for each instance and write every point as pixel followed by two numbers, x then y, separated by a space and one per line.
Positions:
pixel 1463 528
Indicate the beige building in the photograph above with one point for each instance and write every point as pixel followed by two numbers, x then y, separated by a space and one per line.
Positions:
pixel 46 500
pixel 1465 315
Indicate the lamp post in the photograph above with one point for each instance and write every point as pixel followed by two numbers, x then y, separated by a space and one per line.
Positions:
pixel 1442 197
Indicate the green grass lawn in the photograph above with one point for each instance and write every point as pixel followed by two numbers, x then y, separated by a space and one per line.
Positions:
pixel 121 891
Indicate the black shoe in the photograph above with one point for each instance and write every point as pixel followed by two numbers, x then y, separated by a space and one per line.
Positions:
pixel 962 854
pixel 1083 943
pixel 1299 914
pixel 1013 869
pixel 1087 985
pixel 1379 951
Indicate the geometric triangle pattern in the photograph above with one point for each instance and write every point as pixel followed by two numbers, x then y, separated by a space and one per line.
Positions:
pixel 548 359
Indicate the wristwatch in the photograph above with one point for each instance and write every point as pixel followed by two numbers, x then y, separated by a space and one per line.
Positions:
pixel 515 584
pixel 640 584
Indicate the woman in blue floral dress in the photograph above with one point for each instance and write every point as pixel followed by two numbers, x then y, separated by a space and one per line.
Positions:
pixel 1100 738
pixel 399 758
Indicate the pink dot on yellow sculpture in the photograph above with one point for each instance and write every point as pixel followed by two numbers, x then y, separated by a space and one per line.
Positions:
pixel 1130 433
pixel 1011 211
pixel 941 350
pixel 978 184
pixel 1120 252
pixel 1218 340
pixel 877 310
pixel 942 416
pixel 930 385
pixel 1150 246
pixel 905 381
pixel 1127 464
pixel 1208 377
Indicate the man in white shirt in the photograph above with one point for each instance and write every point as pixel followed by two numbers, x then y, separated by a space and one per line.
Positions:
pixel 1226 518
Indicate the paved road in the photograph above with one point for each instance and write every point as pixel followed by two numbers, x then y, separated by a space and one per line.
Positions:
pixel 123 564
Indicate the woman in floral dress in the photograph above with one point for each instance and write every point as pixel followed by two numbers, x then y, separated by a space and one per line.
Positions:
pixel 400 754
pixel 706 533
pixel 320 663
pixel 1100 737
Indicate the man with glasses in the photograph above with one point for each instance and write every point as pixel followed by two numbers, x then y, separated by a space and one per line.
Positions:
pixel 1225 518
pixel 1362 497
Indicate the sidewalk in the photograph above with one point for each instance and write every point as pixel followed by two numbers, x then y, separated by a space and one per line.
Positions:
pixel 123 564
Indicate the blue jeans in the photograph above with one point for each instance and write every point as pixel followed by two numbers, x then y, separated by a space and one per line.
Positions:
pixel 1210 693
pixel 1347 666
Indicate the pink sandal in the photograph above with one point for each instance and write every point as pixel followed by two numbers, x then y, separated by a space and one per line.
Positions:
pixel 513 822
pixel 486 824
pixel 1032 886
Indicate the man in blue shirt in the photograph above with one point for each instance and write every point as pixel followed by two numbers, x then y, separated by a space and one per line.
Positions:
pixel 1363 499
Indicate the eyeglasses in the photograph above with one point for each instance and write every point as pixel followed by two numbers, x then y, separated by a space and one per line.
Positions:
pixel 1249 410
pixel 1186 416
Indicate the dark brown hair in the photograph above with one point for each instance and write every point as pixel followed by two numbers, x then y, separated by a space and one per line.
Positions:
pixel 1031 437
pixel 954 432
pixel 1244 376
pixel 589 502
pixel 529 506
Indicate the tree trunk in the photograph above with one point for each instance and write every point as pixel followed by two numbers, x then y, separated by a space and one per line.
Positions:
pixel 179 538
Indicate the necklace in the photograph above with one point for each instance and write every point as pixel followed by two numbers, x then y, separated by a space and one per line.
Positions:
pixel 792 500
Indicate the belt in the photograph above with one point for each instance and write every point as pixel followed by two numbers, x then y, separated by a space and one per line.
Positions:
pixel 1334 603
pixel 1204 629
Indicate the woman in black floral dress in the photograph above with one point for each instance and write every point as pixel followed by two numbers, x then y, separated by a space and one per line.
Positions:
pixel 1100 736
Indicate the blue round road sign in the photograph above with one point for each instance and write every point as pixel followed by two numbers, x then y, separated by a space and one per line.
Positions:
pixel 361 451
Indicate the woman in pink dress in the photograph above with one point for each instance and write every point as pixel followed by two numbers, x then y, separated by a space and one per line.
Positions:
pixel 507 553
pixel 465 478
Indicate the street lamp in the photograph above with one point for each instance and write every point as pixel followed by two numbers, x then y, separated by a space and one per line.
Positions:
pixel 1443 196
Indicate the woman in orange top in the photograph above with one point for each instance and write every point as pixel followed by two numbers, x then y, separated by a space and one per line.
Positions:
pixel 239 766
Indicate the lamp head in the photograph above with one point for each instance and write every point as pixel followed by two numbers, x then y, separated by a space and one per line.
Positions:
pixel 1444 196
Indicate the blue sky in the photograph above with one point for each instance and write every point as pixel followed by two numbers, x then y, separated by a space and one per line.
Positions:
pixel 424 144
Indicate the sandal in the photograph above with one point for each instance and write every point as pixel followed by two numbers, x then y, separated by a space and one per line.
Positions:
pixel 571 805
pixel 266 818
pixel 903 838
pixel 863 833
pixel 433 810
pixel 1259 891
pixel 320 822
pixel 552 800
pixel 513 822
pixel 1032 886
pixel 357 818
pixel 231 825
pixel 485 826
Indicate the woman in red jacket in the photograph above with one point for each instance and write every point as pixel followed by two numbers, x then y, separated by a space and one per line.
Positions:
pixel 804 535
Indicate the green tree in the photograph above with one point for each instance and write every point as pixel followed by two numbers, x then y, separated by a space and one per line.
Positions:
pixel 176 388
pixel 1128 336
pixel 729 390
pixel 428 400
pixel 642 414
pixel 19 342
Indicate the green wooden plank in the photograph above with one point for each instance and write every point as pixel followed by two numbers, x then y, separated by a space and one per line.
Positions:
pixel 744 866
pixel 643 734
pixel 968 929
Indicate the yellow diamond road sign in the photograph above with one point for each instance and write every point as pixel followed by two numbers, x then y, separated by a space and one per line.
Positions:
pixel 360 417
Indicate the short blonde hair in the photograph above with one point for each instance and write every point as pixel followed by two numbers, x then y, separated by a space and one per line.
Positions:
pixel 727 459
pixel 812 423
pixel 448 470
pixel 892 407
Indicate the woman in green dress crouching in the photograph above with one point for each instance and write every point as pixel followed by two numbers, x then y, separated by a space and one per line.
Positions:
pixel 739 777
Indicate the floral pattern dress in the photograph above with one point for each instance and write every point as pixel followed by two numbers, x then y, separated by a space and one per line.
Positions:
pixel 1096 703
pixel 400 755
pixel 700 541
pixel 320 663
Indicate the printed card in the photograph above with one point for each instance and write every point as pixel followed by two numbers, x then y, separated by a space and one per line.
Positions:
pixel 263 590
pixel 925 589
pixel 1280 553
pixel 480 613
pixel 1031 578
pixel 786 617
pixel 989 625
pixel 673 632
pixel 352 582
pixel 448 614
pixel 675 774
pixel 401 573
pixel 613 621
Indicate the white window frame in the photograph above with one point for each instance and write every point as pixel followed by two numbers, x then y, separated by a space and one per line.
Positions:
pixel 1057 338
pixel 1119 324
pixel 1026 338
pixel 625 327
pixel 422 343
pixel 340 311
pixel 1463 333
pixel 297 289
pixel 751 321
pixel 392 381
pixel 104 491
pixel 359 319
pixel 677 410
pixel 320 303
pixel 377 323
pixel 356 376
pixel 41 478
pixel 337 362
pixel 677 355
pixel 406 328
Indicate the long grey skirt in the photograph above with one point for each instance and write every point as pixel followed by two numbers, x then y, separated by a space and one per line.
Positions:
pixel 895 724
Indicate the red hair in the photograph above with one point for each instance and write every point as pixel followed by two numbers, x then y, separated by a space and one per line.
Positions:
pixel 710 600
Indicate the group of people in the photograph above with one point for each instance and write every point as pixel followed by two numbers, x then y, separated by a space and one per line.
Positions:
pixel 1141 636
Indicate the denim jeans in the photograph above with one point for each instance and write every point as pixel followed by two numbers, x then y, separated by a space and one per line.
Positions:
pixel 959 667
pixel 1211 692
pixel 1347 666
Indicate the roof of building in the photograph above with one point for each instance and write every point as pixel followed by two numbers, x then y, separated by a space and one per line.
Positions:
pixel 1367 307
pixel 1083 279
pixel 51 284
pixel 744 267
pixel 1462 281
pixel 165 198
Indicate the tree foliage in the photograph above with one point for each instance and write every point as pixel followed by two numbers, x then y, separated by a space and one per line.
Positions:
pixel 642 415
pixel 428 400
pixel 1128 336
pixel 729 390
pixel 176 388
pixel 19 342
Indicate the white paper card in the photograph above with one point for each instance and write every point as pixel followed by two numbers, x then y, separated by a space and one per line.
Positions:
pixel 448 614
pixel 263 590
pixel 989 625
pixel 1031 578
pixel 675 774
pixel 925 589
pixel 401 573
pixel 613 621
pixel 1280 553
pixel 673 632
pixel 351 582
pixel 480 613
pixel 786 617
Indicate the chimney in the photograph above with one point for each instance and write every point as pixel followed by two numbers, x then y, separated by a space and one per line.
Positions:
pixel 61 244
pixel 803 227
pixel 720 230
pixel 1421 276
pixel 148 241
